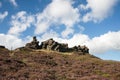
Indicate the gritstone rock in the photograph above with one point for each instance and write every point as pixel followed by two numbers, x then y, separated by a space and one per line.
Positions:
pixel 34 44
pixel 50 44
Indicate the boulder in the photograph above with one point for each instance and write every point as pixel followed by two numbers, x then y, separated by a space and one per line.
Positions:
pixel 50 44
pixel 34 44
pixel 63 47
pixel 84 49
pixel 47 44
pixel 54 46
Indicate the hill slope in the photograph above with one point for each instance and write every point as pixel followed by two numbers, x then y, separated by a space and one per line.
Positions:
pixel 27 64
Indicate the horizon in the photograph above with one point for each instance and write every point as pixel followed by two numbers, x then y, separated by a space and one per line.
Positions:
pixel 94 23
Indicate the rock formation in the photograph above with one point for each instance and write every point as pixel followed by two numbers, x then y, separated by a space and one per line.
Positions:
pixel 34 44
pixel 50 44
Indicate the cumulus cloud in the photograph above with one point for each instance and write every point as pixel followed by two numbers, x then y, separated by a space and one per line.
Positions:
pixel 10 41
pixel 13 2
pixel 98 10
pixel 67 31
pixel 57 12
pixel 48 35
pixel 2 16
pixel 77 39
pixel 60 12
pixel 20 22
pixel 42 23
pixel 105 42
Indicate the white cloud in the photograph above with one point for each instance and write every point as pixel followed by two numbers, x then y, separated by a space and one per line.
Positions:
pixel 2 16
pixel 13 2
pixel 98 10
pixel 81 28
pixel 20 22
pixel 77 39
pixel 105 42
pixel 57 12
pixel 63 11
pixel 42 23
pixel 48 35
pixel 67 31
pixel 10 41
pixel 60 12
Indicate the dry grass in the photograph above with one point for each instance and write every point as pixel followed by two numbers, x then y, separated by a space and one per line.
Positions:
pixel 51 65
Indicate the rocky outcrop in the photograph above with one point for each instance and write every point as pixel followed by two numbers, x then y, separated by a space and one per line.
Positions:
pixel 53 45
pixel 34 44
pixel 62 47
pixel 50 44
pixel 81 49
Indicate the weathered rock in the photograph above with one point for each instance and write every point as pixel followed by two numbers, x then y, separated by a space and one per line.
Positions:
pixel 63 47
pixel 50 44
pixel 47 44
pixel 54 46
pixel 84 49
pixel 34 44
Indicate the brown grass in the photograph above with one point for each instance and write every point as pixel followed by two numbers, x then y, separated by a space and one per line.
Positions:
pixel 50 65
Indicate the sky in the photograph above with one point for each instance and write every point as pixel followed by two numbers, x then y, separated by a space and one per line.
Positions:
pixel 94 23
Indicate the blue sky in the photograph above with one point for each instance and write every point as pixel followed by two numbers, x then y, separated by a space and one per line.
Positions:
pixel 94 23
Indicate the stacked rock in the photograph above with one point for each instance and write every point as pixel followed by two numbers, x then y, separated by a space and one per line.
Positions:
pixel 50 44
pixel 34 44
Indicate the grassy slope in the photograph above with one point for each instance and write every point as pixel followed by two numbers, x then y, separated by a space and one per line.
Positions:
pixel 49 65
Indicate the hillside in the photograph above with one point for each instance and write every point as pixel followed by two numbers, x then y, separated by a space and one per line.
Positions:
pixel 30 64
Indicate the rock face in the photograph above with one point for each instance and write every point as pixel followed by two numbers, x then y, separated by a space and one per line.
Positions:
pixel 50 44
pixel 81 49
pixel 62 47
pixel 34 44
